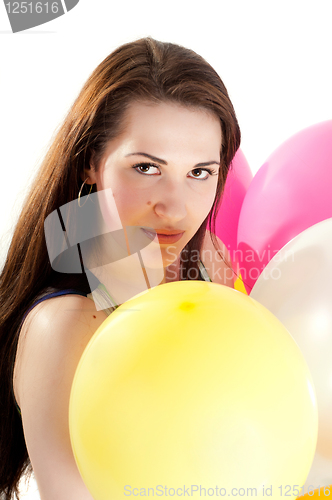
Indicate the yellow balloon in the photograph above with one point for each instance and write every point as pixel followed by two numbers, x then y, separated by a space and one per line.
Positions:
pixel 192 385
pixel 238 285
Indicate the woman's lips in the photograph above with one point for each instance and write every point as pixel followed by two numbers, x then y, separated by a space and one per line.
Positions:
pixel 163 238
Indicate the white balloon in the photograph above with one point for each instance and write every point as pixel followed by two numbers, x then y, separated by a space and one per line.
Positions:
pixel 319 475
pixel 296 286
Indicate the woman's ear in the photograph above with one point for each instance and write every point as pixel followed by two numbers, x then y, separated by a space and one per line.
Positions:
pixel 89 173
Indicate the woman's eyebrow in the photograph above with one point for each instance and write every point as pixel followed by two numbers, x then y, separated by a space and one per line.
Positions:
pixel 153 158
pixel 163 162
pixel 207 163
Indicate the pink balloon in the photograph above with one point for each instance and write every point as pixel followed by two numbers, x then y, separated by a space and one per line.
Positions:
pixel 238 179
pixel 290 193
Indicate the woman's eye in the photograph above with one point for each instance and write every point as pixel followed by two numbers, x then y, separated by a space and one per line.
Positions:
pixel 202 173
pixel 147 168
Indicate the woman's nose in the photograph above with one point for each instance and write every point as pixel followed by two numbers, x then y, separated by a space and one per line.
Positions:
pixel 171 204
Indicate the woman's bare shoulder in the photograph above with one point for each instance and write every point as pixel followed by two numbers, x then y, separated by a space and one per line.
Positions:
pixel 217 264
pixel 52 340
pixel 56 323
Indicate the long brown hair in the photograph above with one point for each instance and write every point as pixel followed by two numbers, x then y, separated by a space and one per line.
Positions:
pixel 146 70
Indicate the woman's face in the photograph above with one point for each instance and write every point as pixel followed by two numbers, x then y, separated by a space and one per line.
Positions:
pixel 163 172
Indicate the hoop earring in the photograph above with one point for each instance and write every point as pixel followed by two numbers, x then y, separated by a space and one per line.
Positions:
pixel 79 194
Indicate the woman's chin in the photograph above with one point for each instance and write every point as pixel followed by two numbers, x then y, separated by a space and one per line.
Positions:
pixel 159 259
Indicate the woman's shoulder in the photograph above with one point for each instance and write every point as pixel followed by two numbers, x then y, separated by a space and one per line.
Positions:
pixel 52 340
pixel 65 322
pixel 218 264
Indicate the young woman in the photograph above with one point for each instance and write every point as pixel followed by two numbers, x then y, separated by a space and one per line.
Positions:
pixel 143 154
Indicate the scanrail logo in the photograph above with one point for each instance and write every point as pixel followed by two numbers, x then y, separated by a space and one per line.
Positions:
pixel 86 236
pixel 25 15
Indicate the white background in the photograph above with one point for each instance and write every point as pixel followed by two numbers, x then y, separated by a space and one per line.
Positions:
pixel 273 56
